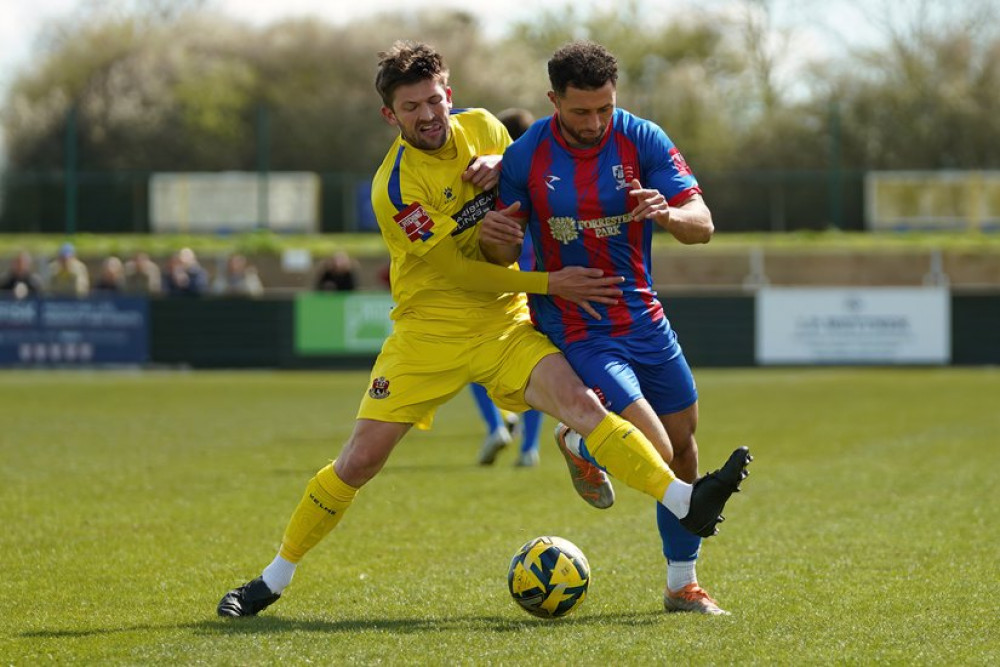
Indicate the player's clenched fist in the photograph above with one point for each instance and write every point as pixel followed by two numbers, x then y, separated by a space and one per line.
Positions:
pixel 483 171
pixel 501 228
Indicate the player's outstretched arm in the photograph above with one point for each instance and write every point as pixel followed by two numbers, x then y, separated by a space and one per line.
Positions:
pixel 577 284
pixel 690 221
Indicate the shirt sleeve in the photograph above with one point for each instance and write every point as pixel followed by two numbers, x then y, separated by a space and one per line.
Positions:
pixel 513 185
pixel 447 259
pixel 664 167
pixel 412 226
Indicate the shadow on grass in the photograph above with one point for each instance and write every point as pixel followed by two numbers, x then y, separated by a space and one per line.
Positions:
pixel 393 469
pixel 276 624
pixel 420 625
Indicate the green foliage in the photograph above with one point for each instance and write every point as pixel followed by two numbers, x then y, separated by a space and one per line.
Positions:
pixel 171 86
pixel 132 501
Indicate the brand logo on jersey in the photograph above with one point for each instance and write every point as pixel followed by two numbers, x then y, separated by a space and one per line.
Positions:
pixel 448 194
pixel 379 388
pixel 623 175
pixel 566 230
pixel 415 222
pixel 680 164
pixel 474 210
pixel 551 180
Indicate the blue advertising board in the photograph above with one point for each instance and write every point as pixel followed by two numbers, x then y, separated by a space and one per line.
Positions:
pixel 68 332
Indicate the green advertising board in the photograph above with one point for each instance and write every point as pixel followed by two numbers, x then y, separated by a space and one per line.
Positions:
pixel 341 323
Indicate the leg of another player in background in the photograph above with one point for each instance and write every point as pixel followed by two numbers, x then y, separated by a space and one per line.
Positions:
pixel 490 413
pixel 497 435
pixel 531 424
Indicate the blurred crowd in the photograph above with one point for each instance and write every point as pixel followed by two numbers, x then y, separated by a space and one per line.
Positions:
pixel 181 275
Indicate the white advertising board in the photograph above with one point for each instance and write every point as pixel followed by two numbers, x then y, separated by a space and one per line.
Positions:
pixel 234 202
pixel 853 326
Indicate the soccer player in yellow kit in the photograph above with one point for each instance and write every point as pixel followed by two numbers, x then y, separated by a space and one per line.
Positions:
pixel 459 319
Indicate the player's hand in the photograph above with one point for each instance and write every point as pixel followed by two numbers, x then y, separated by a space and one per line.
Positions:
pixel 483 171
pixel 651 204
pixel 499 228
pixel 582 285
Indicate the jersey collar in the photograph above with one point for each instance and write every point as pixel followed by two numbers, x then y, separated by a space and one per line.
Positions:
pixel 580 152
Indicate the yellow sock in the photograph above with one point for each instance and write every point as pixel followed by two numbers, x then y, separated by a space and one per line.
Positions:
pixel 628 455
pixel 326 499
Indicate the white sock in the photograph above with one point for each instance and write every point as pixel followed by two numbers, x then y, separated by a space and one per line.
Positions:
pixel 677 499
pixel 278 574
pixel 680 574
pixel 573 442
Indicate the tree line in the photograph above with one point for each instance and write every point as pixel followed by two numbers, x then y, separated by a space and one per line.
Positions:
pixel 175 86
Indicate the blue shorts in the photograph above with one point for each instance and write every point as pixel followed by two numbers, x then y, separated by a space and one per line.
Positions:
pixel 624 369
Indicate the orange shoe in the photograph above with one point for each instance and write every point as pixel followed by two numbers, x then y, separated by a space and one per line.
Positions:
pixel 590 482
pixel 692 598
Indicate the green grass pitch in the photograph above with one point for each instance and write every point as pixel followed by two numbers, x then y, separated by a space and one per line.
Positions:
pixel 869 529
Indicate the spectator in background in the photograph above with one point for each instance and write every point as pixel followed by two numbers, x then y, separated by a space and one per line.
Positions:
pixel 337 273
pixel 142 275
pixel 68 276
pixel 517 121
pixel 184 276
pixel 20 280
pixel 111 279
pixel 238 279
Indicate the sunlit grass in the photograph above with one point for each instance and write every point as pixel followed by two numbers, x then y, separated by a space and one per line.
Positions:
pixel 131 502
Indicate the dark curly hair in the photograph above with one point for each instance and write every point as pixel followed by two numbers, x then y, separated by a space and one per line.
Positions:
pixel 584 65
pixel 405 63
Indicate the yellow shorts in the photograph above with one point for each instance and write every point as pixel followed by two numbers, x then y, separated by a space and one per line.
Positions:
pixel 417 372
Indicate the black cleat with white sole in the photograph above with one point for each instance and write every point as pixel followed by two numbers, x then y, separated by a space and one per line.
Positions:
pixel 247 600
pixel 710 493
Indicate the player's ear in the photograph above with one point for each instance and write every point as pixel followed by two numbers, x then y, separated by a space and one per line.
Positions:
pixel 447 95
pixel 388 116
pixel 552 98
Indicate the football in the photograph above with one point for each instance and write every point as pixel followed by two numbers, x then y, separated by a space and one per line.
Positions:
pixel 549 577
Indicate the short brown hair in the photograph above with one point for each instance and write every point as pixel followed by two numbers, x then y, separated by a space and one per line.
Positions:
pixel 405 63
pixel 584 65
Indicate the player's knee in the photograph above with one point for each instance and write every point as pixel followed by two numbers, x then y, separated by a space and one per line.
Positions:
pixel 357 465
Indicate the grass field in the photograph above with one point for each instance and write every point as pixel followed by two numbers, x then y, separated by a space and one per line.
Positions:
pixel 869 530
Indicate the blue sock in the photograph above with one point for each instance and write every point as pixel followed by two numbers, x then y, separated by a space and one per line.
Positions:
pixel 491 414
pixel 587 456
pixel 531 422
pixel 679 544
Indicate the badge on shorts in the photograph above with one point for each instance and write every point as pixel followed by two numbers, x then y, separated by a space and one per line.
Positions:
pixel 600 396
pixel 415 222
pixel 379 388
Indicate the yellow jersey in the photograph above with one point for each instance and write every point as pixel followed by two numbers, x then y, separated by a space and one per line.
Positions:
pixel 420 198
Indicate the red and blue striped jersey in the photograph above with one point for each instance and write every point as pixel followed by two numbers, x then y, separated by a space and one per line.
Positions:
pixel 578 204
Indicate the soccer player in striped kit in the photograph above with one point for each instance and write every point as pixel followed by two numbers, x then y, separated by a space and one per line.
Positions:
pixel 589 182
pixel 457 320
